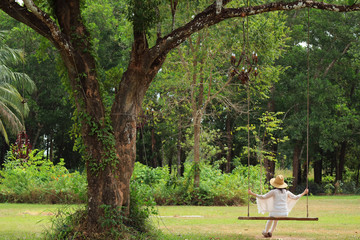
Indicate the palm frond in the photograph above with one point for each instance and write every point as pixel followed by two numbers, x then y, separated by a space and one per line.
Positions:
pixel 11 56
pixel 3 33
pixel 13 108
pixel 3 132
pixel 10 120
pixel 12 98
pixel 19 80
pixel 23 82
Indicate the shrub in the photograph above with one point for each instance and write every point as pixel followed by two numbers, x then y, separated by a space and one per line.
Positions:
pixel 216 188
pixel 39 180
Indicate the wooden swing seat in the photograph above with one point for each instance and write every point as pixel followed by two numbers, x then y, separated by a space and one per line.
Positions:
pixel 280 218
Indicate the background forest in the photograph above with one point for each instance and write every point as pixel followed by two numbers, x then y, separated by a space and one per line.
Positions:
pixel 192 142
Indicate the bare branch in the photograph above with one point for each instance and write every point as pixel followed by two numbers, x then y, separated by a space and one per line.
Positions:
pixel 220 90
pixel 332 64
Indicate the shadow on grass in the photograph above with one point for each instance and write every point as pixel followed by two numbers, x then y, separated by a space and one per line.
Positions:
pixel 202 236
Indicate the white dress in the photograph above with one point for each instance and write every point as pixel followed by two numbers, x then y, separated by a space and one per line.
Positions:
pixel 276 202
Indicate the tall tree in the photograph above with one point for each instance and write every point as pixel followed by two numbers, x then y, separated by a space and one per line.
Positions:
pixel 109 136
pixel 204 70
pixel 333 90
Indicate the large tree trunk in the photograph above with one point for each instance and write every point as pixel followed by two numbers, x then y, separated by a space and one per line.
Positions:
pixel 318 171
pixel 296 164
pixel 305 170
pixel 333 165
pixel 180 152
pixel 340 167
pixel 141 148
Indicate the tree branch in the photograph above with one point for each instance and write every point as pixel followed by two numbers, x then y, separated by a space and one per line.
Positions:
pixel 56 34
pixel 21 14
pixel 331 65
pixel 209 17
pixel 34 17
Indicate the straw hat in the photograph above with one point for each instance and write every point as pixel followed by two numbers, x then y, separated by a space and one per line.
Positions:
pixel 278 182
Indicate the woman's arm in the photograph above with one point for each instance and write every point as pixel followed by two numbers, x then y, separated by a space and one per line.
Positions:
pixel 292 196
pixel 251 193
pixel 305 192
pixel 267 195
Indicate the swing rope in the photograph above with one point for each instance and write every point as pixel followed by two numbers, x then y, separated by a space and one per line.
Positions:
pixel 248 132
pixel 307 135
pixel 246 41
pixel 307 112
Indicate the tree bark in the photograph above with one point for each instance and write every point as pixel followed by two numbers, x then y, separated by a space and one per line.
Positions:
pixel 180 152
pixel 141 150
pixel 333 165
pixel 304 172
pixel 296 164
pixel 318 171
pixel 341 163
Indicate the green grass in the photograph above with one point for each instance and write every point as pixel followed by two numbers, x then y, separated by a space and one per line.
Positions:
pixel 339 218
pixel 25 221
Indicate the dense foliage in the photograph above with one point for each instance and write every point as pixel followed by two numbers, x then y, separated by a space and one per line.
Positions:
pixel 216 188
pixel 38 180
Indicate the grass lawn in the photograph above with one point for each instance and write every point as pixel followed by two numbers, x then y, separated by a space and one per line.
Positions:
pixel 339 218
pixel 25 221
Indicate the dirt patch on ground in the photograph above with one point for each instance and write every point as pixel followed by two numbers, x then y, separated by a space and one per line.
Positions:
pixel 34 213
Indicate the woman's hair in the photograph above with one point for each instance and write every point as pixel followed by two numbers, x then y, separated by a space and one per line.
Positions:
pixel 281 189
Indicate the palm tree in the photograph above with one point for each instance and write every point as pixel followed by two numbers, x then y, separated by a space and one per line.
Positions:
pixel 13 107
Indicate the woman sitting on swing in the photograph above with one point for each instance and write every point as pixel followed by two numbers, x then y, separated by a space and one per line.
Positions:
pixel 278 202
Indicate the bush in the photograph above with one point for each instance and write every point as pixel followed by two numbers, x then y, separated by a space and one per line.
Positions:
pixel 216 188
pixel 38 180
pixel 41 181
pixel 329 186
